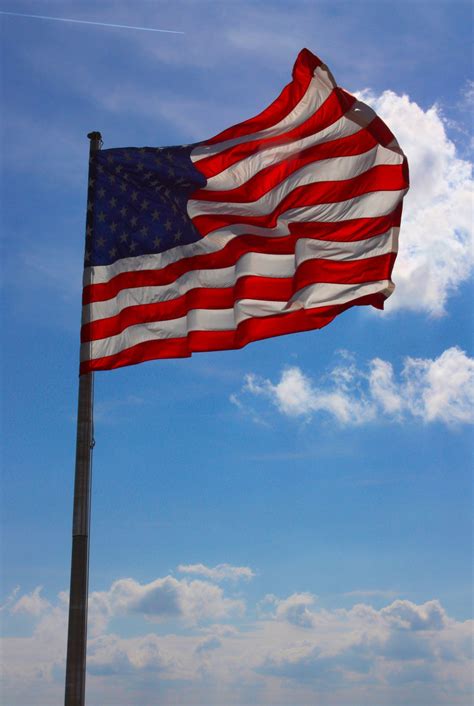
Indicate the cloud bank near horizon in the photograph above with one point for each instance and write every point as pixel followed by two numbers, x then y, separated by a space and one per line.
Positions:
pixel 204 636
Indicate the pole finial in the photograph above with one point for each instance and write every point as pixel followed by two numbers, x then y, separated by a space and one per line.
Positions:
pixel 94 135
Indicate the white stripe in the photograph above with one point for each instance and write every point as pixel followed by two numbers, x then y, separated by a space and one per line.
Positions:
pixel 228 319
pixel 334 169
pixel 250 264
pixel 356 119
pixel 317 92
pixel 370 205
pixel 309 249
pixel 316 295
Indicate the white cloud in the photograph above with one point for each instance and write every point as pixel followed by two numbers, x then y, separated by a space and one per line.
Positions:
pixel 440 389
pixel 221 572
pixel 112 655
pixel 295 609
pixel 294 395
pixel 432 390
pixel 163 599
pixel 436 253
pixel 382 655
pixel 400 645
pixel 407 615
pixel 31 603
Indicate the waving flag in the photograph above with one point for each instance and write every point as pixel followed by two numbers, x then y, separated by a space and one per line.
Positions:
pixel 274 226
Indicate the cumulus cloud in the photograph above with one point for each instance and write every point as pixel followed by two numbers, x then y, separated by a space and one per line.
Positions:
pixel 163 599
pixel 221 572
pixel 112 655
pixel 295 609
pixel 431 390
pixel 436 253
pixel 399 644
pixel 409 616
pixel 31 603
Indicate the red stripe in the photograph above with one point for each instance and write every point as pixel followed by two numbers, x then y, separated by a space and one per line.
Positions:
pixel 249 330
pixel 351 230
pixel 333 108
pixel 379 178
pixel 303 71
pixel 274 174
pixel 370 269
pixel 313 271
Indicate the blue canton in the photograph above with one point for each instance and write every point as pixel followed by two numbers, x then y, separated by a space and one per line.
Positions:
pixel 137 202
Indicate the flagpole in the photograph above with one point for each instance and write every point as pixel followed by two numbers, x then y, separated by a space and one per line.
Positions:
pixel 77 628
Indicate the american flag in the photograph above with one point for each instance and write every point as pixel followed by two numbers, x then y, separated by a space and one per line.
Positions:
pixel 274 226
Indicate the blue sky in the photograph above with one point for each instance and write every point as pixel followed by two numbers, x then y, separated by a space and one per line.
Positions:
pixel 288 524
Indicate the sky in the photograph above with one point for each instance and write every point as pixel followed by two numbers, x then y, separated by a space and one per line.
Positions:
pixel 284 525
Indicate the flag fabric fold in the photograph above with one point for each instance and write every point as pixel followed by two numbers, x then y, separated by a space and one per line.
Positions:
pixel 274 226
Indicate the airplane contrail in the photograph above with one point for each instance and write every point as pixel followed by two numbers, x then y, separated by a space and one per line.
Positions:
pixel 88 22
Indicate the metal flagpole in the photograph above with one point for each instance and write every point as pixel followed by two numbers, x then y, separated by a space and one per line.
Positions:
pixel 77 629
